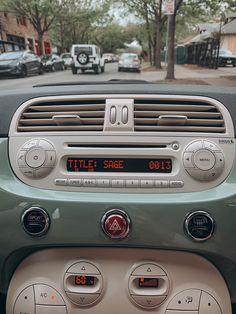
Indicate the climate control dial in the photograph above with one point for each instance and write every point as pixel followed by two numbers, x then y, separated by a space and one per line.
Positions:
pixel 203 160
pixel 36 158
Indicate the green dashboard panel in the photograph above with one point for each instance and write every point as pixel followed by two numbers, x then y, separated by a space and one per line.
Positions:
pixel 156 221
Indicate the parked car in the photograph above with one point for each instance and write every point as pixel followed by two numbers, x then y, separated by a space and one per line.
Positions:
pixel 52 63
pixel 226 58
pixel 87 57
pixel 20 63
pixel 67 59
pixel 129 61
pixel 108 57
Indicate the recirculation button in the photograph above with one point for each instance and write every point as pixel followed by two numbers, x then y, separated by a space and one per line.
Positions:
pixel 25 302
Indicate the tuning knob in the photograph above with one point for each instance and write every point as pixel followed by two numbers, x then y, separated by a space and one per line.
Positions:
pixel 203 160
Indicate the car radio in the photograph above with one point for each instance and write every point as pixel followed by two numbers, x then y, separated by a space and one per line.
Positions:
pixel 124 159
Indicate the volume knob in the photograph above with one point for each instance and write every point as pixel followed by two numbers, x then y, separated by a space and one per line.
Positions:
pixel 36 158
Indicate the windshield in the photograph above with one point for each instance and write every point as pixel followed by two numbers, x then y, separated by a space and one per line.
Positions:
pixel 183 42
pixel 11 55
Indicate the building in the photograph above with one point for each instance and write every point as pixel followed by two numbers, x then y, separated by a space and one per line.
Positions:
pixel 17 33
pixel 228 33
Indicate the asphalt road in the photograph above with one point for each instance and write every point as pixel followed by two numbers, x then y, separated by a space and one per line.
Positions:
pixel 224 76
pixel 111 72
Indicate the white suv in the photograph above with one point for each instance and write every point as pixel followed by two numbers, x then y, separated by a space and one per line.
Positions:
pixel 87 57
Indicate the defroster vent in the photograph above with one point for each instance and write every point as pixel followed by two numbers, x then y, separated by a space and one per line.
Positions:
pixel 177 116
pixel 71 115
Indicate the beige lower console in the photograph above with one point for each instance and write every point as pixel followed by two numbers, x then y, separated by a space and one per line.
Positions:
pixel 112 280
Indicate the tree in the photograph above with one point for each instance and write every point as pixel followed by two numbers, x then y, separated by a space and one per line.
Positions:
pixel 150 11
pixel 78 22
pixel 170 73
pixel 40 13
pixel 110 37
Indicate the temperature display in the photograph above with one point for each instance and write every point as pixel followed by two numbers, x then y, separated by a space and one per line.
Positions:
pixel 84 280
pixel 159 165
pixel 148 282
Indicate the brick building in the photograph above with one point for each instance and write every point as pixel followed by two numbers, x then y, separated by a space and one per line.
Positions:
pixel 17 33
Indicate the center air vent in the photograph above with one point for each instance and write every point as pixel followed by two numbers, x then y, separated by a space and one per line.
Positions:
pixel 79 115
pixel 177 116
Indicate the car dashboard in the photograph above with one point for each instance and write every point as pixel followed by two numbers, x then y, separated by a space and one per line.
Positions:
pixel 117 197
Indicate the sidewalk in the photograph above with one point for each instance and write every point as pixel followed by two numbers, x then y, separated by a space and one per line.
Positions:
pixel 187 74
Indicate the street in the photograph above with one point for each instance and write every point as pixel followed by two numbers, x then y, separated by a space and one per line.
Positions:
pixel 224 76
pixel 111 72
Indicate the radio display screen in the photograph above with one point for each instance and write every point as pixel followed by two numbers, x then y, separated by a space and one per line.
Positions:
pixel 151 165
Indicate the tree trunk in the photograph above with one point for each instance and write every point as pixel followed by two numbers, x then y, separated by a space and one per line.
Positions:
pixel 40 42
pixel 170 75
pixel 149 37
pixel 150 52
pixel 158 45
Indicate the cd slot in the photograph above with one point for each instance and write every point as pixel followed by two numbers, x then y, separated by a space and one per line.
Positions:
pixel 128 145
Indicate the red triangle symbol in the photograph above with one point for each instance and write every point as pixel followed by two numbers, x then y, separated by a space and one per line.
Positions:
pixel 115 226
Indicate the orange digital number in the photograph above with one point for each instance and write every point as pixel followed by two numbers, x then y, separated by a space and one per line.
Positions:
pixel 80 280
pixel 154 165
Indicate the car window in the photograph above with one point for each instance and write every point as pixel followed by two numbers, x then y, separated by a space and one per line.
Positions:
pixel 65 56
pixel 11 55
pixel 88 50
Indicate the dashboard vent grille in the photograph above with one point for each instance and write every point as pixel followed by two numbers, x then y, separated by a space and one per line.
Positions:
pixel 80 115
pixel 177 116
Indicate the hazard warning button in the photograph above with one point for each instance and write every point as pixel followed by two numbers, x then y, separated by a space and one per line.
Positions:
pixel 116 224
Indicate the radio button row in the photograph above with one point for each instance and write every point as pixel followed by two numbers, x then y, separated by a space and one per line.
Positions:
pixel 106 183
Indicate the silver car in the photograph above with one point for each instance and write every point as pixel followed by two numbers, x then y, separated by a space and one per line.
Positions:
pixel 129 61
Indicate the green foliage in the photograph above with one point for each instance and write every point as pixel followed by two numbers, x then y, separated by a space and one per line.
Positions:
pixel 78 20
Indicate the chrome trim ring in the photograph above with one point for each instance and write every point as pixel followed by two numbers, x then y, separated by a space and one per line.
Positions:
pixel 121 213
pixel 188 218
pixel 45 215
